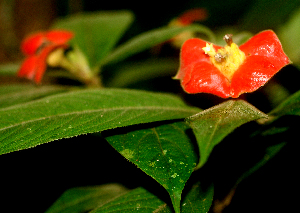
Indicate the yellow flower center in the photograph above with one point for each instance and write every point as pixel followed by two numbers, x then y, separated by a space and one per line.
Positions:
pixel 227 59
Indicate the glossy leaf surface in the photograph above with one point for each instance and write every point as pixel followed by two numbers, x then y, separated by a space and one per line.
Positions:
pixel 211 126
pixel 165 152
pixel 80 112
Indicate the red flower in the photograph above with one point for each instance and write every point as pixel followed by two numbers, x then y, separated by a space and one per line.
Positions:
pixel 37 48
pixel 187 18
pixel 232 70
pixel 191 16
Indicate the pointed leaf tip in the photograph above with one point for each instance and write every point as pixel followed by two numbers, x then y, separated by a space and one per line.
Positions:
pixel 211 126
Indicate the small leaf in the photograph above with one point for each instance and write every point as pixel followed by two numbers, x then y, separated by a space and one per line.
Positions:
pixel 84 199
pixel 149 39
pixel 96 33
pixel 86 111
pixel 199 199
pixel 165 152
pixel 136 200
pixel 290 106
pixel 211 126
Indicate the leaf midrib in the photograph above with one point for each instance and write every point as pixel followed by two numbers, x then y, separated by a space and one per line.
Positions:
pixel 102 110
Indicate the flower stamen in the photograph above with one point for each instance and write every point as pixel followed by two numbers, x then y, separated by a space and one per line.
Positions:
pixel 228 39
pixel 227 59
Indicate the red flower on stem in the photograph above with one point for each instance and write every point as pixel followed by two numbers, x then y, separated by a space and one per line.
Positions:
pixel 185 19
pixel 37 48
pixel 231 70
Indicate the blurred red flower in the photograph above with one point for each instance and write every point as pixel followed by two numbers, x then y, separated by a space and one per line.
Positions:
pixel 37 48
pixel 185 19
pixel 231 70
pixel 190 16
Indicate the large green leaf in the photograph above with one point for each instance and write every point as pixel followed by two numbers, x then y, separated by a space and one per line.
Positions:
pixel 85 111
pixel 96 33
pixel 165 152
pixel 211 126
pixel 16 94
pixel 85 199
pixel 151 38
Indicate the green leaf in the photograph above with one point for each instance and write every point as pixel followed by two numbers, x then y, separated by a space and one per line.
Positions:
pixel 86 111
pixel 164 152
pixel 9 69
pixel 17 94
pixel 84 199
pixel 211 126
pixel 290 106
pixel 289 35
pixel 136 200
pixel 96 33
pixel 199 199
pixel 149 39
pixel 139 71
pixel 116 198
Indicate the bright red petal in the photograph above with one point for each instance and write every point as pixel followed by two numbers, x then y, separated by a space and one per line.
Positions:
pixel 253 74
pixel 266 44
pixel 204 77
pixel 192 15
pixel 28 68
pixel 31 43
pixel 41 62
pixel 197 73
pixel 59 36
pixel 191 53
pixel 264 58
pixel 35 66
